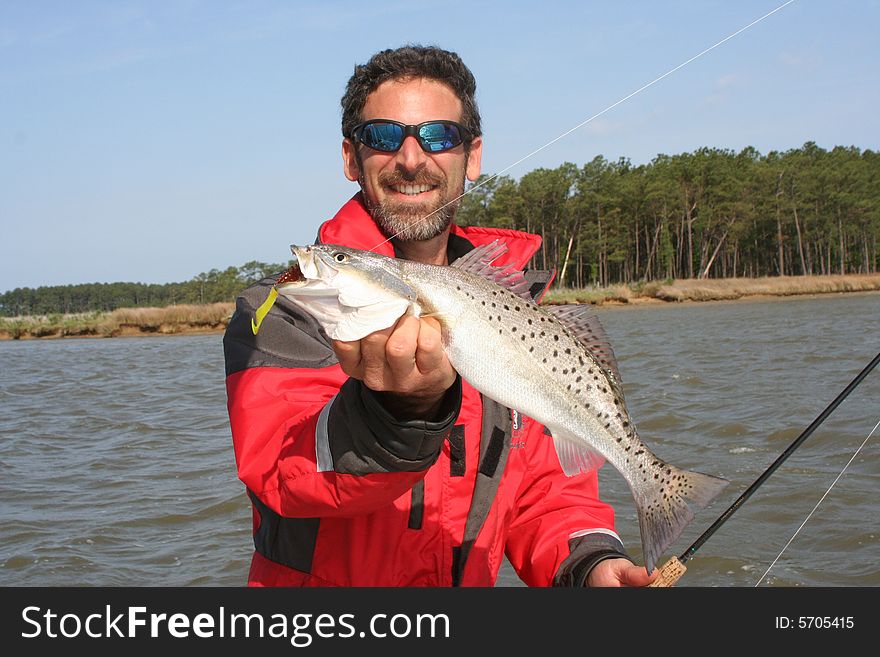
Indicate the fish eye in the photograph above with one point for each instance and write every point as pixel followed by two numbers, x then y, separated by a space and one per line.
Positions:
pixel 339 256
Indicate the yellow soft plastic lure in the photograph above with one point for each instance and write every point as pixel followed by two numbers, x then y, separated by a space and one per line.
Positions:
pixel 263 310
pixel 293 273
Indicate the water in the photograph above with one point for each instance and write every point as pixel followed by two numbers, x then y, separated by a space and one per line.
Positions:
pixel 117 465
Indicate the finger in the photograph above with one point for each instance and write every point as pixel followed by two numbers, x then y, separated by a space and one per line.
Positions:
pixel 349 356
pixel 400 349
pixel 430 355
pixel 373 362
pixel 637 576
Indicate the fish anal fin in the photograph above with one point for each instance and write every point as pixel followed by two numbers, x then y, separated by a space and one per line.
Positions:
pixel 574 455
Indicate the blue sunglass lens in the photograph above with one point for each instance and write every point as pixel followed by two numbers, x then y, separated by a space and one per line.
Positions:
pixel 436 137
pixel 382 136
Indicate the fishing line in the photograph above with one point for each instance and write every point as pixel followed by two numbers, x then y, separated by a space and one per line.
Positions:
pixel 595 116
pixel 864 442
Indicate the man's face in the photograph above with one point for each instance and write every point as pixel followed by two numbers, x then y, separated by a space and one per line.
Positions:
pixel 404 190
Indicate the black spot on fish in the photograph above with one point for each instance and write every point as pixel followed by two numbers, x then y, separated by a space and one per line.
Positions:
pixel 567 350
pixel 530 320
pixel 578 380
pixel 556 337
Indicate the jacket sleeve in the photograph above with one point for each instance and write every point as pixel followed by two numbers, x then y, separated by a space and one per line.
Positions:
pixel 562 529
pixel 309 441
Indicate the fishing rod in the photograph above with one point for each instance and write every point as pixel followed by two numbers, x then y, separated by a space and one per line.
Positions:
pixel 673 569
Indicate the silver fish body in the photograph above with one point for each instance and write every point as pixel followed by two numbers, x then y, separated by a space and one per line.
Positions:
pixel 519 354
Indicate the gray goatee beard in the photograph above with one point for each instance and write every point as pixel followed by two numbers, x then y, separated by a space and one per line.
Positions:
pixel 409 226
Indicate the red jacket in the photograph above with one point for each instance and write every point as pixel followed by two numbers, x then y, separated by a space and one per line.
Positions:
pixel 346 495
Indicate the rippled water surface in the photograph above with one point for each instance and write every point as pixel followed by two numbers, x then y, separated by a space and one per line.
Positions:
pixel 117 464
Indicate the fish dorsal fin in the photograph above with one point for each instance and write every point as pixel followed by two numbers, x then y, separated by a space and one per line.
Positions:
pixel 478 261
pixel 574 455
pixel 583 322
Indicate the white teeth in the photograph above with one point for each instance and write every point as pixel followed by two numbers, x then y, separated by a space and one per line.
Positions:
pixel 412 190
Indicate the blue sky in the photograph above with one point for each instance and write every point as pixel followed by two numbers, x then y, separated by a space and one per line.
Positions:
pixel 151 141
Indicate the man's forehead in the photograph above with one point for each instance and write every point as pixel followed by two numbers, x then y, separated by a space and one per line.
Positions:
pixel 413 100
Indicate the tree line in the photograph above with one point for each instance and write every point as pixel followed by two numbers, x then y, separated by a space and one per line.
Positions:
pixel 207 287
pixel 710 213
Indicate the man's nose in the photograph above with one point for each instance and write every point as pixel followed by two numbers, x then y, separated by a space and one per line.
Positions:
pixel 411 157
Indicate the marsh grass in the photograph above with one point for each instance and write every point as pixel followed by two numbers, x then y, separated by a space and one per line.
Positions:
pixel 123 321
pixel 214 317
pixel 716 289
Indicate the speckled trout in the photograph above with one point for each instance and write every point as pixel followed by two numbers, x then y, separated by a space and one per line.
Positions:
pixel 551 363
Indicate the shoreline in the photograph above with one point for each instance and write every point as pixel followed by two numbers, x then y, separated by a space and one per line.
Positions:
pixel 213 318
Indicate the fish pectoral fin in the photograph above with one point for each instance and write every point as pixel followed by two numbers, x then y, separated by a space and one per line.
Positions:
pixel 574 455
pixel 356 323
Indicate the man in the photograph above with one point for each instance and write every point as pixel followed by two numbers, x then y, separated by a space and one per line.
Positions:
pixel 372 462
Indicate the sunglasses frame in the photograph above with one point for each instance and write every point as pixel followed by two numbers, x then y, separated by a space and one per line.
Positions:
pixel 409 130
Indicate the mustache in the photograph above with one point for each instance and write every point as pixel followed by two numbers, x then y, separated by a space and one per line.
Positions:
pixel 391 178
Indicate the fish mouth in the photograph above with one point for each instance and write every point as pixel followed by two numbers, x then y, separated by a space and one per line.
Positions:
pixel 292 275
pixel 313 268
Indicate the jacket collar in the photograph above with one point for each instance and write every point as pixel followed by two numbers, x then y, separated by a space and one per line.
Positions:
pixel 353 226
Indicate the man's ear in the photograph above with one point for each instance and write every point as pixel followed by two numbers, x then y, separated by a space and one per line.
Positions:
pixel 350 164
pixel 474 157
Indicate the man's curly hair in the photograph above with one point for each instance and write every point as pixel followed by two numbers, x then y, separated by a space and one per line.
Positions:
pixel 406 62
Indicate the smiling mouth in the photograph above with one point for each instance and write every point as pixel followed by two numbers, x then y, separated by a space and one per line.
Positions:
pixel 412 190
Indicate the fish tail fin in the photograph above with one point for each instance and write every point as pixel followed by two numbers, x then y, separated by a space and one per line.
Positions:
pixel 664 511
